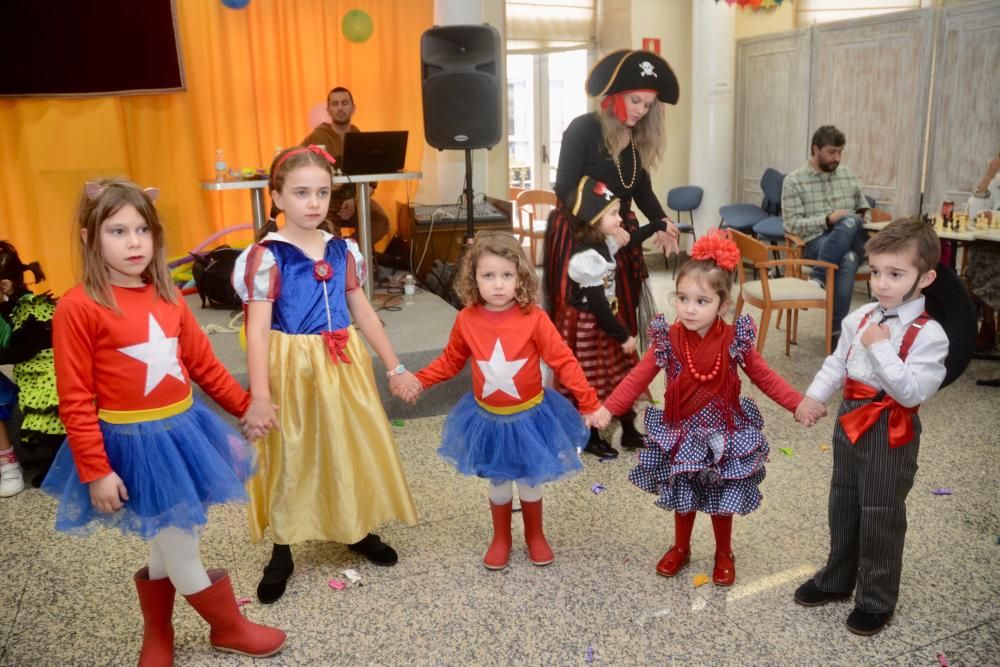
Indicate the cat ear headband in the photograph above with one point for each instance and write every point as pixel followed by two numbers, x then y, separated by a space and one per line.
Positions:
pixel 94 190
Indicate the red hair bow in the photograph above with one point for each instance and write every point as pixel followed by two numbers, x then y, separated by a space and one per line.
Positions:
pixel 312 148
pixel 600 189
pixel 718 246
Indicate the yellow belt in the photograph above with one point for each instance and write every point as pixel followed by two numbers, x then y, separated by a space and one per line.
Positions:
pixel 513 409
pixel 152 414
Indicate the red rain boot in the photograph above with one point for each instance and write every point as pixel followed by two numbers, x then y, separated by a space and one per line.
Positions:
pixel 156 599
pixel 538 548
pixel 498 555
pixel 680 553
pixel 724 573
pixel 231 631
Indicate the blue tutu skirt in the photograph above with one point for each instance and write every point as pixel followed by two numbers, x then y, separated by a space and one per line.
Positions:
pixel 172 468
pixel 8 397
pixel 539 445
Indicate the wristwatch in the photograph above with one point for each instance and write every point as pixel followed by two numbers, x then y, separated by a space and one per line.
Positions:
pixel 398 370
pixel 981 194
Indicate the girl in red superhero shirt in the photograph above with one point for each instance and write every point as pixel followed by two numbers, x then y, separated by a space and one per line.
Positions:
pixel 141 454
pixel 509 429
pixel 706 448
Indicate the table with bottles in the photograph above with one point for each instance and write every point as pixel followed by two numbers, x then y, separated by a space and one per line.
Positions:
pixel 959 230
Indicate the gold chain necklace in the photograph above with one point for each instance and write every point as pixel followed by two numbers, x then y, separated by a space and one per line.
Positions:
pixel 635 165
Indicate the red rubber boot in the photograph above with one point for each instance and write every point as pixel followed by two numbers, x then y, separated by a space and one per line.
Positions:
pixel 539 550
pixel 231 631
pixel 498 555
pixel 156 599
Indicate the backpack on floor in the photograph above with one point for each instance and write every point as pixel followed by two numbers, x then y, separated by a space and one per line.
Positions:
pixel 213 273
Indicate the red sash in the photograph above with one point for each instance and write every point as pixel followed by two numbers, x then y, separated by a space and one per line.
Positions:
pixel 858 421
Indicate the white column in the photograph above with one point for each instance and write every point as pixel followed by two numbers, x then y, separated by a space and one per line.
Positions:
pixel 444 171
pixel 713 70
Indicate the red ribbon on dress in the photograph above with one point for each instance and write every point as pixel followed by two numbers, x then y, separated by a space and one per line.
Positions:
pixel 859 420
pixel 336 341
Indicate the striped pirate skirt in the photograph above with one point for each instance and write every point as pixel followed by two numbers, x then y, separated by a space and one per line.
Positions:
pixel 600 356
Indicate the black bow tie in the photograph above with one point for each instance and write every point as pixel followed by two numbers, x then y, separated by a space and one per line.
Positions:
pixel 881 311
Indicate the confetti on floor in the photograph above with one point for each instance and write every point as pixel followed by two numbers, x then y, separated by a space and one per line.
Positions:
pixel 398 422
pixel 242 601
pixel 597 488
pixel 700 580
pixel 336 584
pixel 942 492
pixel 787 451
pixel 824 448
pixel 589 655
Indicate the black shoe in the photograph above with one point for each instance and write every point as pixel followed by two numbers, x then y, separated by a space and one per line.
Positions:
pixel 276 574
pixel 600 448
pixel 633 440
pixel 39 477
pixel 809 595
pixel 375 550
pixel 867 624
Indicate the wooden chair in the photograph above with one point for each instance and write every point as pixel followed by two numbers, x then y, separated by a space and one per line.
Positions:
pixel 790 293
pixel 533 207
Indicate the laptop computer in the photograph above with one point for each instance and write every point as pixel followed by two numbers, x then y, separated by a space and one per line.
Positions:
pixel 374 152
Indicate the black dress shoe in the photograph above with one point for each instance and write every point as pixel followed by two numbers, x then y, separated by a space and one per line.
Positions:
pixel 276 574
pixel 867 624
pixel 809 595
pixel 375 550
pixel 600 448
pixel 633 440
pixel 272 584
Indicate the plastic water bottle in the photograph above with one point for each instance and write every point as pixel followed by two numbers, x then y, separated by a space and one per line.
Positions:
pixel 220 165
pixel 409 289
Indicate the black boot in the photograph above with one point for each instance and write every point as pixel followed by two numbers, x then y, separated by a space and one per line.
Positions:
pixel 599 447
pixel 276 574
pixel 631 438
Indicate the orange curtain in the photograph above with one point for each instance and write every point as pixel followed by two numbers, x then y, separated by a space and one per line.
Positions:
pixel 252 77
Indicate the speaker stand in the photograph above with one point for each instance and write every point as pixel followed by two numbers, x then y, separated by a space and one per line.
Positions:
pixel 469 210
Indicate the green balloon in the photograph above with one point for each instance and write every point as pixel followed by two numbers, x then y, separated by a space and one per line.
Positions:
pixel 357 26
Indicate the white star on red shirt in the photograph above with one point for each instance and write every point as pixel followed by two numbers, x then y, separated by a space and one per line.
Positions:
pixel 159 354
pixel 498 373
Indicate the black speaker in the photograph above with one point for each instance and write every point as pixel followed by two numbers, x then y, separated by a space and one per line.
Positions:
pixel 461 86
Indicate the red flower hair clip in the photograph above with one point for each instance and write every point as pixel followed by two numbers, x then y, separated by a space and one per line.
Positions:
pixel 718 246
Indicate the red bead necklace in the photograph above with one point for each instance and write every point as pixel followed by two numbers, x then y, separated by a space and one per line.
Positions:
pixel 702 377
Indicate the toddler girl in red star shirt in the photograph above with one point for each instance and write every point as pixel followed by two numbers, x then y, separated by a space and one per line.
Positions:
pixel 509 428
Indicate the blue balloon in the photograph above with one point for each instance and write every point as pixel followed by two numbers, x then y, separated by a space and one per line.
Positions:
pixel 236 4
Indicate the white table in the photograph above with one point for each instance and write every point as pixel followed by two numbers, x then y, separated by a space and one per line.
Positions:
pixel 963 237
pixel 363 200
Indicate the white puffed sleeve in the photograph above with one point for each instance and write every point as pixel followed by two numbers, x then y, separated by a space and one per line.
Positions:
pixel 588 268
pixel 360 268
pixel 255 275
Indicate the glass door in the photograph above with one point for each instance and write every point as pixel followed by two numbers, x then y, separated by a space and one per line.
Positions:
pixel 544 93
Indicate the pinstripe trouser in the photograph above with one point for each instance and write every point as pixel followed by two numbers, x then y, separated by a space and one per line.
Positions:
pixel 867 512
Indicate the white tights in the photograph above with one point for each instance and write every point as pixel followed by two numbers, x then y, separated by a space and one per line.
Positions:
pixel 174 553
pixel 503 492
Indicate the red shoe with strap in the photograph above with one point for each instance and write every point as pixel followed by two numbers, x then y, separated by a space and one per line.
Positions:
pixel 724 573
pixel 673 561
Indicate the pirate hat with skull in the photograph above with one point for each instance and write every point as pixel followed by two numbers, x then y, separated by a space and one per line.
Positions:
pixel 633 70
pixel 592 200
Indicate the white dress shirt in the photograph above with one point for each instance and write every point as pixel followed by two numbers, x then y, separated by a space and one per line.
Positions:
pixel 910 382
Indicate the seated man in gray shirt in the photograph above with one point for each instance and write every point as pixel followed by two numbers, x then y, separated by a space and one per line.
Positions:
pixel 822 202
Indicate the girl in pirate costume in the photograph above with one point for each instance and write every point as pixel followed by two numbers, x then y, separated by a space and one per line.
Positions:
pixel 706 449
pixel 616 146
pixel 26 342
pixel 330 471
pixel 591 322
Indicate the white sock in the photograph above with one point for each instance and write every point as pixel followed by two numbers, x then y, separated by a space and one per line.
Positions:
pixel 528 493
pixel 182 560
pixel 502 493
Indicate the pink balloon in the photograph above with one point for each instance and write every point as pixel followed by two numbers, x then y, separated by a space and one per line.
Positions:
pixel 319 115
